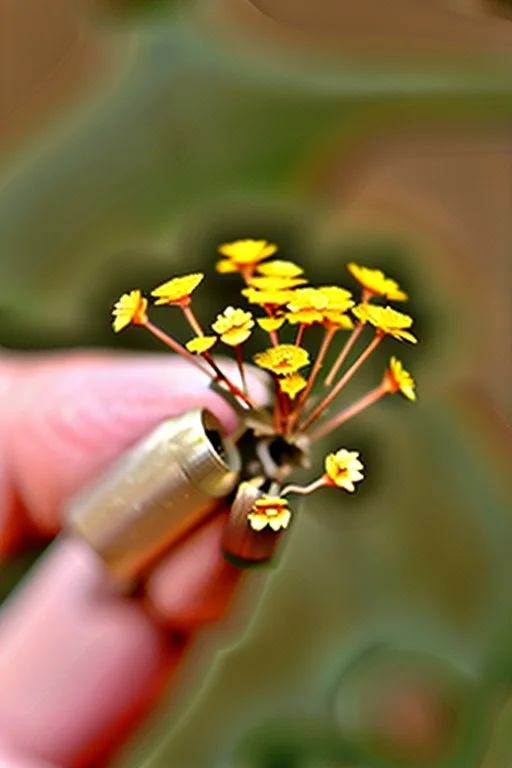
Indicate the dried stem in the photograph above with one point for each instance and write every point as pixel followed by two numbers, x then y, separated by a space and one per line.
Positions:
pixel 344 380
pixel 274 336
pixel 344 354
pixel 329 334
pixel 232 387
pixel 300 334
pixel 192 320
pixel 218 375
pixel 305 490
pixel 348 413
pixel 175 346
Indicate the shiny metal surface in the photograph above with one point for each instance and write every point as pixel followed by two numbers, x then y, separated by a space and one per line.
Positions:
pixel 156 493
pixel 240 544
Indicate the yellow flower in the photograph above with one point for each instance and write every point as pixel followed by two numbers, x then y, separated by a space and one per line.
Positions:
pixel 244 254
pixel 283 359
pixel 129 310
pixel 233 326
pixel 201 344
pixel 338 299
pixel 292 385
pixel 306 306
pixel 333 318
pixel 177 290
pixel 272 511
pixel 270 324
pixel 376 283
pixel 268 283
pixel 267 298
pixel 387 321
pixel 397 379
pixel 343 469
pixel 279 268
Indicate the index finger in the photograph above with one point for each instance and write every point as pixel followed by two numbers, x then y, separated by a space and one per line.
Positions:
pixel 67 418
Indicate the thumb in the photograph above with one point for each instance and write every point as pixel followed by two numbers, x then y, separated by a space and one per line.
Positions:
pixel 63 419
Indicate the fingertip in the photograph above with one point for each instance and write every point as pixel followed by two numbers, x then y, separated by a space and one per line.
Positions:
pixel 194 585
pixel 10 758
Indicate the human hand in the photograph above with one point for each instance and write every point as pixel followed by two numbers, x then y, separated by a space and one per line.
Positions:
pixel 80 668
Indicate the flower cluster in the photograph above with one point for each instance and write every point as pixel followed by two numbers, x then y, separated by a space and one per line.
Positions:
pixel 283 306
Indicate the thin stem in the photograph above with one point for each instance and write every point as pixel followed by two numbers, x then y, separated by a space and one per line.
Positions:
pixel 344 379
pixel 305 490
pixel 247 272
pixel 300 334
pixel 222 377
pixel 192 320
pixel 329 334
pixel 348 413
pixel 240 363
pixel 274 337
pixel 175 346
pixel 344 354
pixel 183 351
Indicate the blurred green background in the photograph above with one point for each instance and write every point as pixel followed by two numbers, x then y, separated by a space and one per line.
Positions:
pixel 139 135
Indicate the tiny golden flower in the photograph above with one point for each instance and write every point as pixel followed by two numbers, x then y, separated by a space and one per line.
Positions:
pixel 338 299
pixel 334 319
pixel 304 317
pixel 306 306
pixel 244 254
pixel 272 511
pixel 376 282
pixel 292 385
pixel 234 326
pixel 177 290
pixel 279 268
pixel 267 298
pixel 270 324
pixel 130 309
pixel 267 283
pixel 343 469
pixel 283 359
pixel 397 379
pixel 386 320
pixel 201 344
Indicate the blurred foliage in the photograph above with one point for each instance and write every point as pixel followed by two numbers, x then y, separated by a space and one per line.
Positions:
pixel 203 125
pixel 208 138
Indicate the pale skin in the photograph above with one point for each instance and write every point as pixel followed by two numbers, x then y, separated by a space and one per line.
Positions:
pixel 100 661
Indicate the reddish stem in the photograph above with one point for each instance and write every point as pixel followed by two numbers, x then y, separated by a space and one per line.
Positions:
pixel 348 413
pixel 175 346
pixel 222 377
pixel 300 334
pixel 329 333
pixel 344 380
pixel 344 354
pixel 274 337
pixel 192 319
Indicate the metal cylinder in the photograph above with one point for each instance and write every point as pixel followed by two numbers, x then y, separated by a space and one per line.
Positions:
pixel 156 493
pixel 241 545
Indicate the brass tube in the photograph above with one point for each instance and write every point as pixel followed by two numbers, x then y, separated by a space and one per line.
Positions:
pixel 156 493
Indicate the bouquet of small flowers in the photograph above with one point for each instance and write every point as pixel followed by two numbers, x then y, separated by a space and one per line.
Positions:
pixel 278 439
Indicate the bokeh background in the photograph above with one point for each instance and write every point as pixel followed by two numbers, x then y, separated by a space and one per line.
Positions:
pixel 136 136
